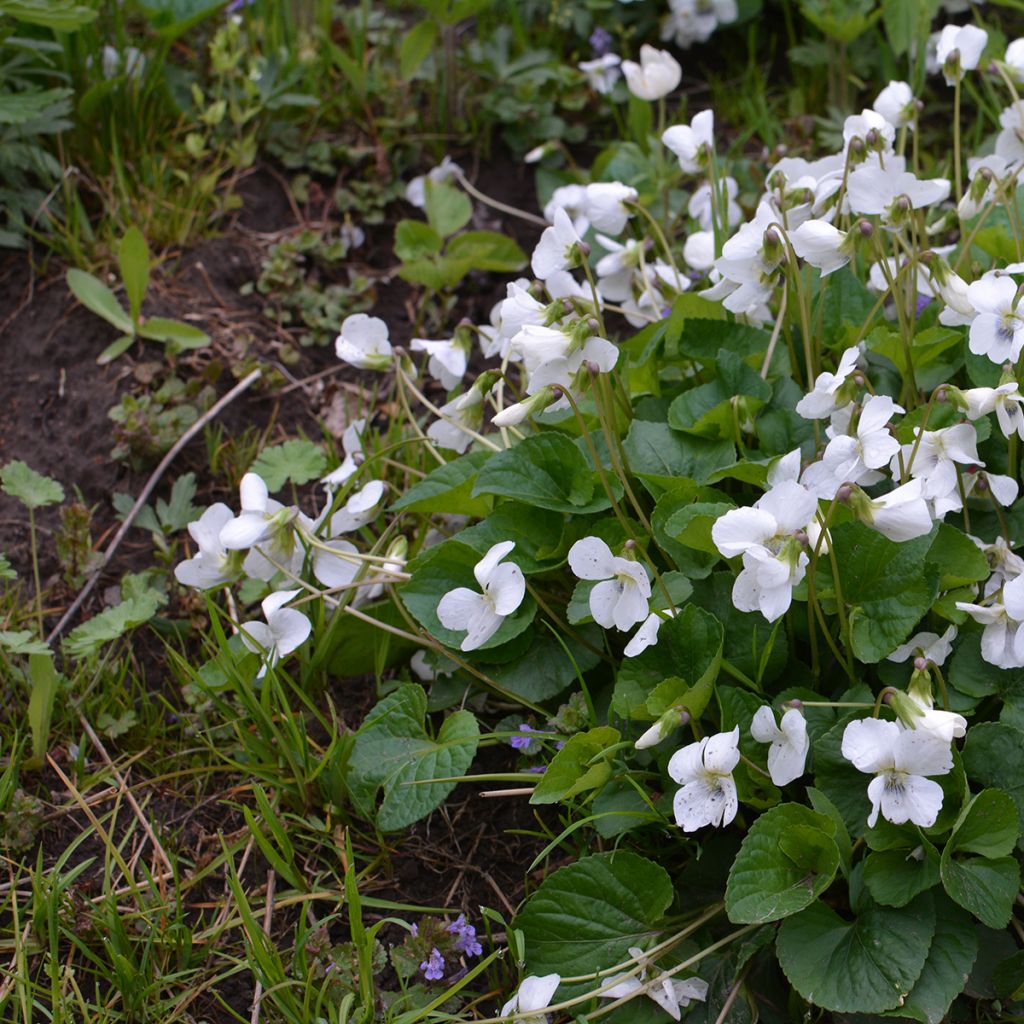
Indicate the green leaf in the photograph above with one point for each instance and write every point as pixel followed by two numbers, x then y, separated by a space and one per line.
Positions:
pixel 32 489
pixel 547 667
pixel 22 641
pixel 172 18
pixel 691 642
pixel 87 639
pixel 994 756
pixel 416 46
pixel 392 750
pixel 92 293
pixel 6 572
pixel 296 461
pixel 585 916
pixel 950 958
pixel 769 879
pixel 448 209
pixel 448 489
pixel 988 826
pixel 45 686
pixel 658 454
pixel 443 568
pixel 62 15
pixel 865 966
pixel 178 337
pixel 537 534
pixel 705 340
pixel 707 410
pixel 957 558
pixel 115 349
pixel 1008 977
pixel 548 471
pixel 133 260
pixel 487 250
pixel 414 240
pixel 571 771
pixel 888 586
pixel 895 876
pixel 986 887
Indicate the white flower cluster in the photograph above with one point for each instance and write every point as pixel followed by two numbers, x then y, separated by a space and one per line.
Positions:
pixel 268 541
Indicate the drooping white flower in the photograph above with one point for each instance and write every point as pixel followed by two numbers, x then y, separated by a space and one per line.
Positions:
pixel 854 458
pixel 1014 60
pixel 693 21
pixel 416 190
pixel 361 508
pixel 789 743
pixel 917 712
pixel 700 207
pixel 647 635
pixel 900 514
pixel 892 194
pixel 699 250
pixel 570 198
pixel 460 416
pixel 602 72
pixel 934 455
pixel 1002 640
pixel 657 74
pixel 448 360
pixel 258 519
pixel 704 771
pixel 959 49
pixel 352 446
pixel 821 245
pixel 766 536
pixel 693 143
pixel 558 248
pixel 605 205
pixel 481 615
pixel 363 342
pixel 620 598
pixel 534 994
pixel 997 331
pixel 1003 490
pixel 669 993
pixel 825 398
pixel 896 104
pixel 213 565
pixel 1005 565
pixel 1010 141
pixel 284 630
pixel 337 567
pixel 901 761
pixel 869 124
pixel 930 646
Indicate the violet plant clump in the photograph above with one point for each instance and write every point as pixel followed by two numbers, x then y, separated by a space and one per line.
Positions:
pixel 768 542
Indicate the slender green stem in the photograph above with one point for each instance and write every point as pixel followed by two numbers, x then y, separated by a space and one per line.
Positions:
pixel 957 173
pixel 35 568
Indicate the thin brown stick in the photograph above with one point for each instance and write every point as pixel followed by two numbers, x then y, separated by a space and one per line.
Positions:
pixel 133 803
pixel 214 411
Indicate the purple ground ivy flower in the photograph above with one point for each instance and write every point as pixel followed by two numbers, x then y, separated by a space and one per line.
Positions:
pixel 466 940
pixel 601 41
pixel 433 966
pixel 522 742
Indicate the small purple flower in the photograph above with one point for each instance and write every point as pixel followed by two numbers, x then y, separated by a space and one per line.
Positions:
pixel 922 302
pixel 538 769
pixel 433 966
pixel 601 41
pixel 237 5
pixel 415 931
pixel 466 941
pixel 522 742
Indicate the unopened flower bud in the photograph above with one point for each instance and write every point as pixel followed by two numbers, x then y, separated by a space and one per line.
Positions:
pixel 866 228
pixel 920 663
